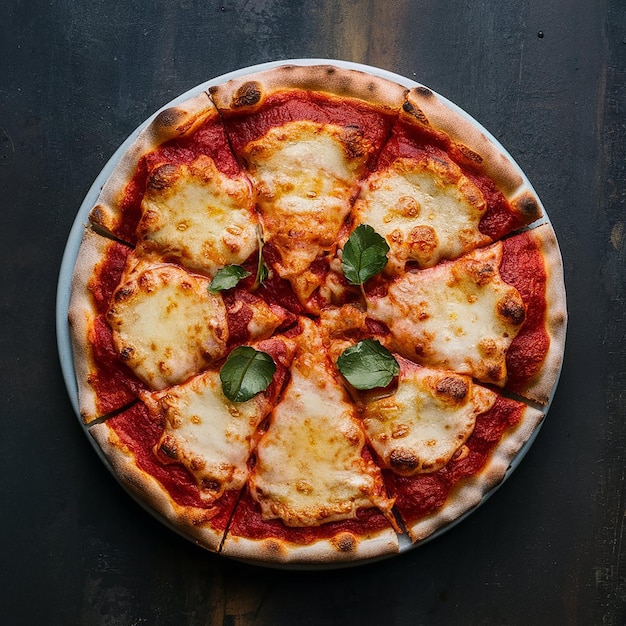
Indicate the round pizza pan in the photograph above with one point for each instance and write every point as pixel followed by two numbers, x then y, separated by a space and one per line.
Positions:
pixel 74 240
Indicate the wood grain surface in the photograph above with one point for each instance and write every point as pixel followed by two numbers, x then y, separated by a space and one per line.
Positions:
pixel 548 79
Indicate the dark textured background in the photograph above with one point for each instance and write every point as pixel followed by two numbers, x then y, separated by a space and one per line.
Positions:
pixel 547 78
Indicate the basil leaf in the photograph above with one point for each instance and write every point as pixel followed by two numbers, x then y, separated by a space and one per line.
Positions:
pixel 245 373
pixel 364 255
pixel 368 364
pixel 228 277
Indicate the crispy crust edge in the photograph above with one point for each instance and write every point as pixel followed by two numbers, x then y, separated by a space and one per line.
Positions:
pixel 249 92
pixel 148 491
pixel 469 494
pixel 81 317
pixel 542 385
pixel 344 547
pixel 170 123
pixel 428 109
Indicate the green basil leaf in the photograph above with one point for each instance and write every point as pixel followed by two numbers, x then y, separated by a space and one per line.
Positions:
pixel 364 255
pixel 368 364
pixel 245 373
pixel 228 277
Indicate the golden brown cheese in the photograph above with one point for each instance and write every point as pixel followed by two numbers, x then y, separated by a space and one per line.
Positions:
pixel 310 469
pixel 426 420
pixel 427 210
pixel 207 433
pixel 458 315
pixel 167 326
pixel 198 216
pixel 305 174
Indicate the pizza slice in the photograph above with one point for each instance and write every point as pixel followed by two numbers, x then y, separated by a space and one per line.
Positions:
pixel 104 383
pixel 306 136
pixel 178 188
pixel 184 451
pixel 168 325
pixel 484 315
pixel 127 441
pixel 443 442
pixel 434 198
pixel 314 492
pixel 429 495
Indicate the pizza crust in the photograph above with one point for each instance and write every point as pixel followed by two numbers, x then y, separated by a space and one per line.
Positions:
pixel 88 294
pixel 541 387
pixel 473 146
pixel 343 547
pixel 469 493
pixel 188 520
pixel 171 123
pixel 249 92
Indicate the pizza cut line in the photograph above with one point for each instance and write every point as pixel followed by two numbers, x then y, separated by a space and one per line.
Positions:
pixel 364 251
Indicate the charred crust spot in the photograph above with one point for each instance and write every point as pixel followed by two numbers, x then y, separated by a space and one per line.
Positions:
pixel 424 91
pixel 344 542
pixel 161 177
pixel 247 95
pixel 512 311
pixel 528 206
pixel 453 388
pixel 273 547
pixel 168 118
pixel 97 213
pixel 403 460
pixel 417 113
pixel 469 154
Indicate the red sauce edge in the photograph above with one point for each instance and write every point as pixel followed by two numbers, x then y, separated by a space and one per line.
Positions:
pixel 140 433
pixel 210 140
pixel 247 522
pixel 290 106
pixel 523 267
pixel 423 494
pixel 418 142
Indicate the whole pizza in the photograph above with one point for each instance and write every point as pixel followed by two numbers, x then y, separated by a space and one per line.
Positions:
pixel 315 315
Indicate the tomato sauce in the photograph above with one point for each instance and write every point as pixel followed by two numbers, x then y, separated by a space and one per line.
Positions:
pixel 522 266
pixel 141 433
pixel 210 140
pixel 107 275
pixel 113 383
pixel 291 106
pixel 248 522
pixel 423 494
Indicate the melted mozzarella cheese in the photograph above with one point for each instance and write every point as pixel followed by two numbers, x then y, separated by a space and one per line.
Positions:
pixel 460 315
pixel 305 175
pixel 427 210
pixel 166 325
pixel 211 436
pixel 426 420
pixel 310 469
pixel 198 215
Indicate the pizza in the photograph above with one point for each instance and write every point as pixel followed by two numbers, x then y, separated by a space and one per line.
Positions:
pixel 315 315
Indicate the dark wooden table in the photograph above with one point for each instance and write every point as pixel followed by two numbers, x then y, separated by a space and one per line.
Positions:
pixel 547 78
